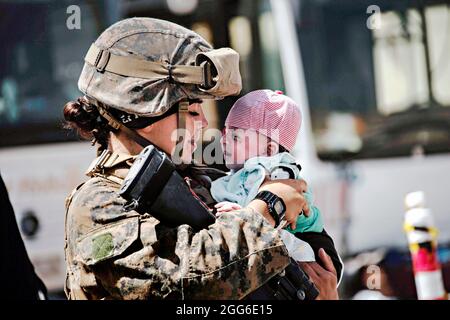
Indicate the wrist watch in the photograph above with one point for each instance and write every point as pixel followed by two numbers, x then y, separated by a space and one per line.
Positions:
pixel 275 204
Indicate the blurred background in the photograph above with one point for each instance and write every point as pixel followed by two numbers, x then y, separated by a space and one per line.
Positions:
pixel 372 78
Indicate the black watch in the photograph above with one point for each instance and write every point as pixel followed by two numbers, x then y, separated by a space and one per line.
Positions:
pixel 275 204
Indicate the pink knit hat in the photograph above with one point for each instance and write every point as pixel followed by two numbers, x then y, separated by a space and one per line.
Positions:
pixel 270 113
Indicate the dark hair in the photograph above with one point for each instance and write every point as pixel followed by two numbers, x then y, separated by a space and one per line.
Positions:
pixel 82 116
pixel 282 149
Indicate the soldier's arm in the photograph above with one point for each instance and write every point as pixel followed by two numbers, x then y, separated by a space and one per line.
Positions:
pixel 135 257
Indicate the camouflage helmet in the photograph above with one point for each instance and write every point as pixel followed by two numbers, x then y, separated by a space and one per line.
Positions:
pixel 144 66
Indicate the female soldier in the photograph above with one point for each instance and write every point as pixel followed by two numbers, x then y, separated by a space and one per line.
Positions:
pixel 143 79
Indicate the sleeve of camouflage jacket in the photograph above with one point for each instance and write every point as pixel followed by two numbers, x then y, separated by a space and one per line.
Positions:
pixel 125 255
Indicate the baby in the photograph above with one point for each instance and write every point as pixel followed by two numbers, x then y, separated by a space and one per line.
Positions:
pixel 260 131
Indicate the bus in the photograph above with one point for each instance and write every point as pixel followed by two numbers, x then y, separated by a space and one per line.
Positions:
pixel 371 80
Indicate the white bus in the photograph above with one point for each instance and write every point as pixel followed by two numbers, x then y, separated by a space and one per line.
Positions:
pixel 374 95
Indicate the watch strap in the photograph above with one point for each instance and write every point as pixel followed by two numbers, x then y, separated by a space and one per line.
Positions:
pixel 270 198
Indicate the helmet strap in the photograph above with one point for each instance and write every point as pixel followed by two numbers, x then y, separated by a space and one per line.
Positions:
pixel 117 125
pixel 183 109
pixel 181 126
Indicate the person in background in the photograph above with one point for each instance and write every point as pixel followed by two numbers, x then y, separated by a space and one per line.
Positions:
pixel 20 280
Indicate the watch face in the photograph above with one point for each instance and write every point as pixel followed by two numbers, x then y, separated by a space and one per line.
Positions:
pixel 279 208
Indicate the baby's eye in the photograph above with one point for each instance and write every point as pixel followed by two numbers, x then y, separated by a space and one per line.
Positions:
pixel 194 113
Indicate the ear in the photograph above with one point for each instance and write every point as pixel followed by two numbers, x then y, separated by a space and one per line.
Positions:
pixel 272 148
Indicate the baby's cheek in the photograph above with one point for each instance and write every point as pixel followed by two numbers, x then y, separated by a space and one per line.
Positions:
pixel 242 147
pixel 234 146
pixel 252 150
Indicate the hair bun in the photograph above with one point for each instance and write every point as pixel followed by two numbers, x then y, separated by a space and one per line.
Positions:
pixel 81 116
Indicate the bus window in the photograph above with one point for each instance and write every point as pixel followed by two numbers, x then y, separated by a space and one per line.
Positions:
pixel 241 40
pixel 204 29
pixel 40 63
pixel 438 20
pixel 399 63
pixel 271 63
pixel 252 34
pixel 369 87
pixel 399 57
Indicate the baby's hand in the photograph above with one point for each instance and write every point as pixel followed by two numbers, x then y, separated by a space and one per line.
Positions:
pixel 226 206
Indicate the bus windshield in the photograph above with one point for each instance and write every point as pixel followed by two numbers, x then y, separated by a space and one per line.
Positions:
pixel 42 42
pixel 377 76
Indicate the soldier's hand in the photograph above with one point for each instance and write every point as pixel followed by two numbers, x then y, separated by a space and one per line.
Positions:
pixel 291 191
pixel 325 279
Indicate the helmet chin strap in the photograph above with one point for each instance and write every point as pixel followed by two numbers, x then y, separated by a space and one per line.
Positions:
pixel 181 126
pixel 114 123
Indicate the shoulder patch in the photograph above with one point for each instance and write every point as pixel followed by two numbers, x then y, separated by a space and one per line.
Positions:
pixel 102 246
pixel 108 241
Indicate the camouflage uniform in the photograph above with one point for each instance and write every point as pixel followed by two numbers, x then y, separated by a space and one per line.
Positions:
pixel 114 254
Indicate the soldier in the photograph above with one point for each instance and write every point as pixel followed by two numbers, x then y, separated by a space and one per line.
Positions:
pixel 21 282
pixel 144 78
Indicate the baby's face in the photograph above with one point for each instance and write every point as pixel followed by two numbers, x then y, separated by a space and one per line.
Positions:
pixel 239 145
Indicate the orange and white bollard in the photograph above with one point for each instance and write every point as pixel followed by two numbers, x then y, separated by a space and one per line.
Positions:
pixel 422 238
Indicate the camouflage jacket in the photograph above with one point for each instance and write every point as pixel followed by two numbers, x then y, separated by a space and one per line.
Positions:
pixel 116 254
